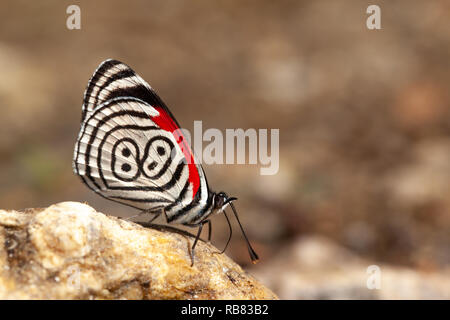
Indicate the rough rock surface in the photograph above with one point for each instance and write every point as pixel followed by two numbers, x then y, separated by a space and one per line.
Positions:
pixel 71 251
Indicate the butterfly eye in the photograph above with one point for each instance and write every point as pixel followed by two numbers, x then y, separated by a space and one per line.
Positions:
pixel 157 157
pixel 123 160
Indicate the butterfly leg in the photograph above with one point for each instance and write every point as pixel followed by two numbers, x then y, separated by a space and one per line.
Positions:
pixel 165 214
pixel 200 227
pixel 156 211
pixel 157 214
pixel 136 215
pixel 209 230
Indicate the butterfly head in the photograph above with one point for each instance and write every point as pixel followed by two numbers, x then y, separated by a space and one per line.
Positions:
pixel 221 201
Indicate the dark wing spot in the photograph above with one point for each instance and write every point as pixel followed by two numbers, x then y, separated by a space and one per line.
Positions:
pixel 161 150
pixel 152 165
pixel 126 152
pixel 126 167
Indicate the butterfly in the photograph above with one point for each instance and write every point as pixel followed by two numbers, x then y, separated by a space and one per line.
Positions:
pixel 130 149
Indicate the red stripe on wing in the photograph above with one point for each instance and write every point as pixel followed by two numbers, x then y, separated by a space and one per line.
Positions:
pixel 166 122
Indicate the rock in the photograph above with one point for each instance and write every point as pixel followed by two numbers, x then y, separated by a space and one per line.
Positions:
pixel 71 251
pixel 316 268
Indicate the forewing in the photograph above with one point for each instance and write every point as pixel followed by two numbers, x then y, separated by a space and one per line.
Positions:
pixel 113 79
pixel 119 108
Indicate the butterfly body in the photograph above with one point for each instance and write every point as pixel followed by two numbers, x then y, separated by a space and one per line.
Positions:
pixel 131 150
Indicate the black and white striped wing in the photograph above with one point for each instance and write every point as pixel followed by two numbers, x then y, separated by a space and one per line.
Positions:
pixel 114 79
pixel 129 148
pixel 124 156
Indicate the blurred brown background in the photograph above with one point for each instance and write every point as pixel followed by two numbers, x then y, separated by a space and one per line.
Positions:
pixel 364 123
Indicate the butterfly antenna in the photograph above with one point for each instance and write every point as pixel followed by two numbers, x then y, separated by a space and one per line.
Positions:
pixel 251 252
pixel 231 232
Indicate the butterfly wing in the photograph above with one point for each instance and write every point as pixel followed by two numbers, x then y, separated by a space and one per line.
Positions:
pixel 130 148
pixel 114 79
